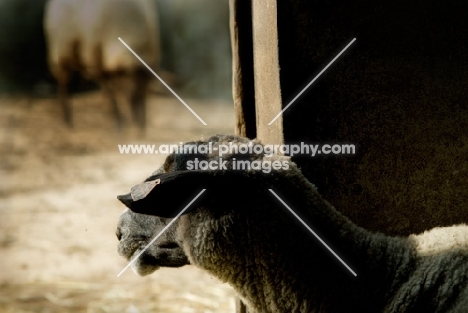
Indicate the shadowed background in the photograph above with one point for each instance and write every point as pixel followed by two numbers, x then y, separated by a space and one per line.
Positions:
pixel 398 93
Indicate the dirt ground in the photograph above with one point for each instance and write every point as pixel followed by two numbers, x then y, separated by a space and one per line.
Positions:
pixel 58 208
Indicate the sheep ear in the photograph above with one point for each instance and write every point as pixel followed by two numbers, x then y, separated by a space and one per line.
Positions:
pixel 166 194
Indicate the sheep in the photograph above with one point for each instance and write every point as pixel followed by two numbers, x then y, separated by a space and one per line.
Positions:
pixel 240 233
pixel 82 36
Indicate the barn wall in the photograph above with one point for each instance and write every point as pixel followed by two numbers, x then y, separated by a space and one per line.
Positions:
pixel 398 94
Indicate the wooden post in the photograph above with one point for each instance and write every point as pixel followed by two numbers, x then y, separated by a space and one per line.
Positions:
pixel 243 92
pixel 266 72
pixel 256 81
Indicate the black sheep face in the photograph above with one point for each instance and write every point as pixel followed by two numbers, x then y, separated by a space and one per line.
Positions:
pixel 135 231
pixel 153 203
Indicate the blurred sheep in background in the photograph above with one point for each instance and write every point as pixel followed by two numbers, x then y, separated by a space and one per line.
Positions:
pixel 83 36
pixel 195 51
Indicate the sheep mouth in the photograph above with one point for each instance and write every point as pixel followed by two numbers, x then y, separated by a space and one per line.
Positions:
pixel 166 254
pixel 168 245
pixel 164 259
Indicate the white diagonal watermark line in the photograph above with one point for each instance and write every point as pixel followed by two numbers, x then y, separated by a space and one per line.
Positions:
pixel 160 233
pixel 313 233
pixel 163 82
pixel 313 80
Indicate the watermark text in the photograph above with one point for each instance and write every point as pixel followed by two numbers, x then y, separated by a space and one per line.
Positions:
pixel 236 148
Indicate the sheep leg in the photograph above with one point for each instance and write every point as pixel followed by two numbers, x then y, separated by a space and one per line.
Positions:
pixel 138 102
pixel 118 116
pixel 110 94
pixel 63 81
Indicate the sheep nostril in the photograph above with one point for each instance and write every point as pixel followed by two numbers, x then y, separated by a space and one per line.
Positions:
pixel 118 234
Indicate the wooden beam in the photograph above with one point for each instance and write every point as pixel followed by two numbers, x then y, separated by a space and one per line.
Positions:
pixel 240 18
pixel 266 71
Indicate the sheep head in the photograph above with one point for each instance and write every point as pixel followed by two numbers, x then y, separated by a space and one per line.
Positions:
pixel 162 196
